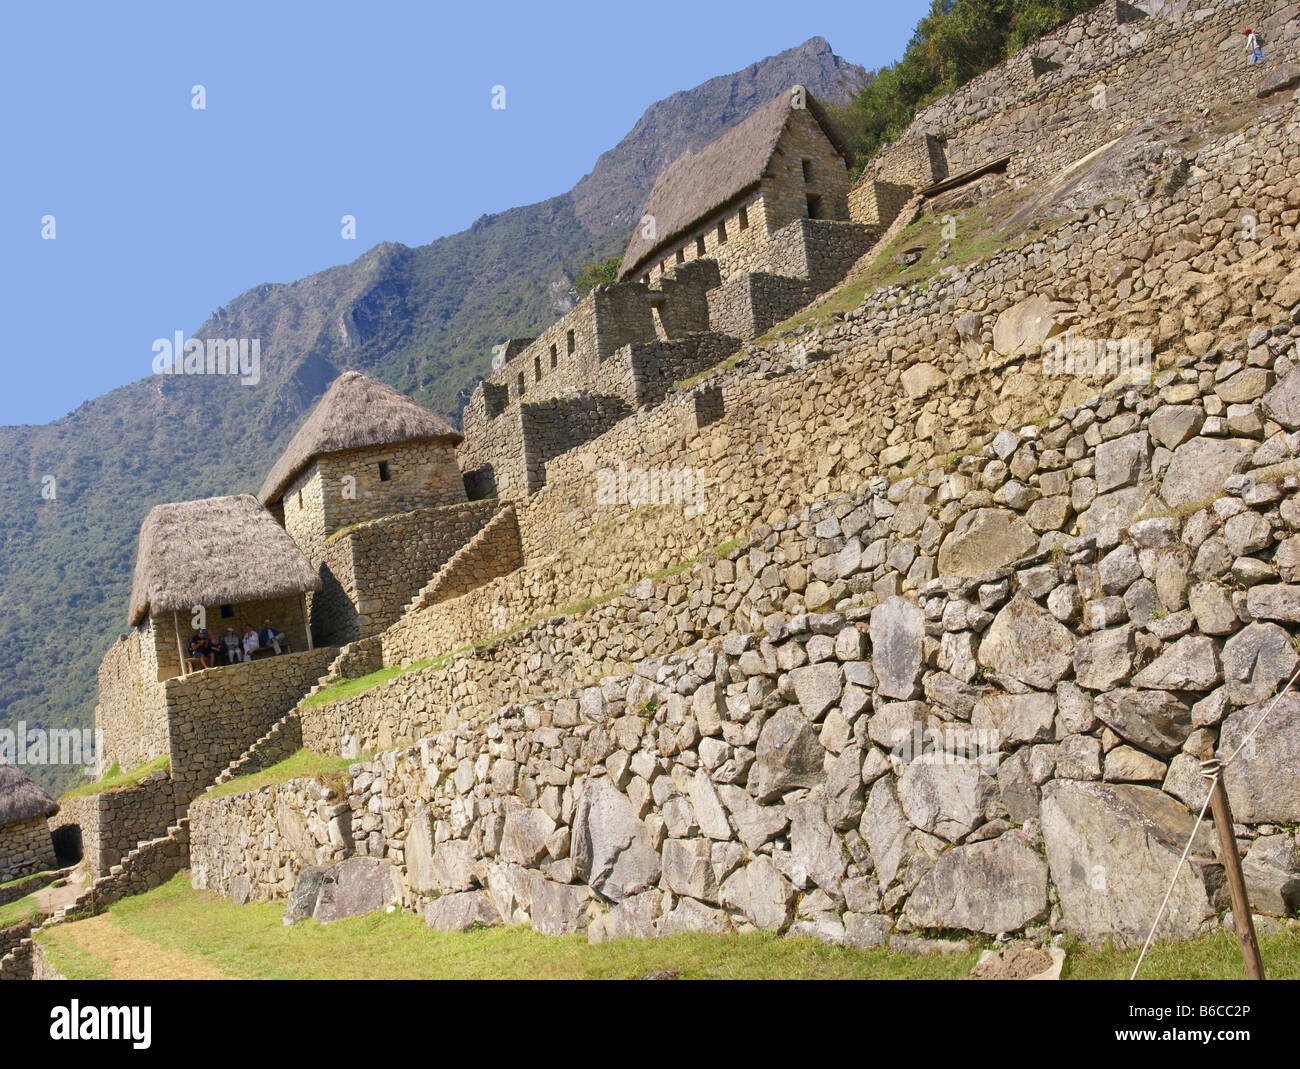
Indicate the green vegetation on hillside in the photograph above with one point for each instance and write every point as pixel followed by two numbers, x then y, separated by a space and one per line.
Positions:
pixel 597 273
pixel 957 40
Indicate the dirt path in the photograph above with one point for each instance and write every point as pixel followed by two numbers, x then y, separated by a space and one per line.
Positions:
pixel 134 959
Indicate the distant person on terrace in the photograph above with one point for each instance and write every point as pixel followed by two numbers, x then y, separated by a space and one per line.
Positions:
pixel 1252 42
pixel 250 642
pixel 202 649
pixel 270 637
pixel 233 652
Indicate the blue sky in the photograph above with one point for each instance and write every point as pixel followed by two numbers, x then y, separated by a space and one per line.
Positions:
pixel 382 111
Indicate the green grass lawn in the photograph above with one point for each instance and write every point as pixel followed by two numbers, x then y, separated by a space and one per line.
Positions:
pixel 178 930
pixel 20 912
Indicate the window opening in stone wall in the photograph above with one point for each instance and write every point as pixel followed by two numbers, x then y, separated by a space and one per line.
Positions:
pixel 519 385
pixel 814 207
pixel 681 256
pixel 807 170
pixel 555 357
pixel 722 232
pixel 300 499
pixel 699 245
pixel 570 343
pixel 227 611
pixel 537 367
pixel 743 219
pixel 384 473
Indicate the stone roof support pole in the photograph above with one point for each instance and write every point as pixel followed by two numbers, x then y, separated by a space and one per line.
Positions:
pixel 176 626
pixel 306 624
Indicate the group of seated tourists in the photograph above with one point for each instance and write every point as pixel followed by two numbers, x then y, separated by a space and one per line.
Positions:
pixel 211 651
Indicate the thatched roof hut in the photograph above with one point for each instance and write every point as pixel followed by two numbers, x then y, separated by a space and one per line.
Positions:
pixel 217 551
pixel 726 170
pixel 355 412
pixel 21 799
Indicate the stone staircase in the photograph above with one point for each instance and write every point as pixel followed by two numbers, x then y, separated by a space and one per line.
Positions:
pixel 450 580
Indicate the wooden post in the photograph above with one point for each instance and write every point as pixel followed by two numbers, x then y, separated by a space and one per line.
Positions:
pixel 176 626
pixel 1241 918
pixel 302 600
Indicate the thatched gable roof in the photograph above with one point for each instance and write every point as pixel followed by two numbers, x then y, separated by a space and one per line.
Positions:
pixel 217 551
pixel 355 412
pixel 698 184
pixel 20 798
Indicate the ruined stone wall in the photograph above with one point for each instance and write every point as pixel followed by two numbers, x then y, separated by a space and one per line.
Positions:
pixel 908 376
pixel 371 570
pixel 876 203
pixel 819 250
pixel 747 305
pixel 130 717
pixel 113 823
pixel 215 715
pixel 25 847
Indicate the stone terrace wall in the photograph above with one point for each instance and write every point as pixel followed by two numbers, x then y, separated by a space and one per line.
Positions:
pixel 251 846
pixel 798 429
pixel 113 823
pixel 25 847
pixel 215 715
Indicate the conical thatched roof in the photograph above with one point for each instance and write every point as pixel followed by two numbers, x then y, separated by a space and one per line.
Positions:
pixel 699 184
pixel 20 798
pixel 355 412
pixel 217 551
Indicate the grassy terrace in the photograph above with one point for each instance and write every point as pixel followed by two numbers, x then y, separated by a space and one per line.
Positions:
pixel 175 931
pixel 115 778
pixel 20 912
pixel 328 769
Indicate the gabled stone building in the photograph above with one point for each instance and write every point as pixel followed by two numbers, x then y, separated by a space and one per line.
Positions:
pixel 370 491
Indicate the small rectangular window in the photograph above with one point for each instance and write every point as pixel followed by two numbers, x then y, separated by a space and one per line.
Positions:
pixel 681 256
pixel 555 357
pixel 384 473
pixel 722 233
pixel 519 383
pixel 300 499
pixel 227 611
pixel 699 245
pixel 814 207
pixel 537 367
pixel 743 219
pixel 568 340
pixel 807 170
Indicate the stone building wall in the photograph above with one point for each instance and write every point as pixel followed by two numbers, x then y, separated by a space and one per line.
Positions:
pixel 820 250
pixel 113 823
pixel 130 716
pixel 25 847
pixel 746 306
pixel 371 570
pixel 304 510
pixel 214 716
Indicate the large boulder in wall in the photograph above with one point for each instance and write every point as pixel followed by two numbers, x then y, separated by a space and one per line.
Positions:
pixel 1262 780
pixel 611 848
pixel 1112 850
pixel 991 887
pixel 1024 326
pixel 983 540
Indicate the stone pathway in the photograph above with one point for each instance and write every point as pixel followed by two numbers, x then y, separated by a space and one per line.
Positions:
pixel 134 959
